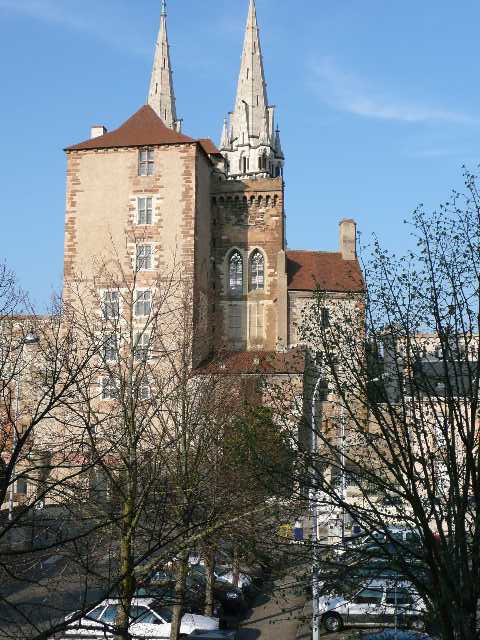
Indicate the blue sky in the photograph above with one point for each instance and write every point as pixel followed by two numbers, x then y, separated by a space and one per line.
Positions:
pixel 378 104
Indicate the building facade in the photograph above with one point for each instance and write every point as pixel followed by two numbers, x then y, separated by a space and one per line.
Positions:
pixel 154 199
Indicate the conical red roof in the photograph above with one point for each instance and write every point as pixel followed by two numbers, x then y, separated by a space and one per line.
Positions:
pixel 143 129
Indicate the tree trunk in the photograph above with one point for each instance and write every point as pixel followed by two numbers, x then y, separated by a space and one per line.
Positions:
pixel 127 571
pixel 210 580
pixel 181 567
pixel 236 566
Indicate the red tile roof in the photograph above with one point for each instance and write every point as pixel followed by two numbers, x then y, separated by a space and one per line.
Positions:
pixel 209 147
pixel 144 128
pixel 307 270
pixel 255 362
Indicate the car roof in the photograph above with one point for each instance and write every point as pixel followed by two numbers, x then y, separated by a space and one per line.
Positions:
pixel 135 601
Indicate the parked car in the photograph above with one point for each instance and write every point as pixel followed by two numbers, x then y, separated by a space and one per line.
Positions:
pixel 377 602
pixel 231 599
pixel 149 619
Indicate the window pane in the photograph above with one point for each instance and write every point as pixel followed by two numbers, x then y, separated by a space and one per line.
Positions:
pixel 369 596
pixel 236 273
pixel 400 597
pixel 110 614
pixel 257 271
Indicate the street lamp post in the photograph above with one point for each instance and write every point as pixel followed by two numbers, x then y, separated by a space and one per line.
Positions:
pixel 314 509
pixel 29 339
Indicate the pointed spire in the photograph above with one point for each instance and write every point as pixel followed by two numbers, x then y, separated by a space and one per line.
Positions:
pixel 251 102
pixel 225 140
pixel 251 148
pixel 161 96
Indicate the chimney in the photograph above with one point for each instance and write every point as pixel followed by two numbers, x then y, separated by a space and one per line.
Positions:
pixel 97 130
pixel 348 239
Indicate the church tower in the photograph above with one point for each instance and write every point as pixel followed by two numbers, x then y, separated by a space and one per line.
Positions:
pixel 250 142
pixel 248 216
pixel 161 96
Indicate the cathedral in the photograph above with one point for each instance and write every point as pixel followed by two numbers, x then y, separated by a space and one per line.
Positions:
pixel 149 194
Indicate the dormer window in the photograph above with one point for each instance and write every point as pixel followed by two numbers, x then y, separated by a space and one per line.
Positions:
pixel 235 273
pixel 257 271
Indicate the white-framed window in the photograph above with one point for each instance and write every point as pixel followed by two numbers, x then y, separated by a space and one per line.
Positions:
pixel 109 389
pixel 111 305
pixel 145 210
pixel 256 321
pixel 235 321
pixel 144 389
pixel 144 257
pixel 143 303
pixel 146 162
pixel 235 273
pixel 257 271
pixel 110 348
pixel 142 346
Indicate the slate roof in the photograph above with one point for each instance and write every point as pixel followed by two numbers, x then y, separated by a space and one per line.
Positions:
pixel 307 270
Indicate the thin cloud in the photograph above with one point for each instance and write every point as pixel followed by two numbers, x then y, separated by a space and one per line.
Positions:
pixel 79 16
pixel 346 92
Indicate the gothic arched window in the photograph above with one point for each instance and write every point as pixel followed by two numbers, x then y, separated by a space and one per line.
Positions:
pixel 235 273
pixel 257 271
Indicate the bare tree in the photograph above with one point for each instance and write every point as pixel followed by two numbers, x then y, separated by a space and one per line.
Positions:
pixel 394 407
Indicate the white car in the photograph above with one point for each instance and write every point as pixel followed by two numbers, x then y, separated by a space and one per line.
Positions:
pixel 225 574
pixel 379 603
pixel 149 621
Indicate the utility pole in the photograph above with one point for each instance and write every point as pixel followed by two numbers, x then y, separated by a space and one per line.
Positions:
pixel 314 510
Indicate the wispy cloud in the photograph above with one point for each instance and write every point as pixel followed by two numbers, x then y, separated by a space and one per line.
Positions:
pixel 347 92
pixel 79 16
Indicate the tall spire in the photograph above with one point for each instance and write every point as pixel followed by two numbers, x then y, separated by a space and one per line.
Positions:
pixel 252 142
pixel 161 96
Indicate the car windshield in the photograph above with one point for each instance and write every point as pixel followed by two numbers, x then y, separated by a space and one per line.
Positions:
pixel 95 614
pixel 163 612
pixel 143 615
pixel 222 571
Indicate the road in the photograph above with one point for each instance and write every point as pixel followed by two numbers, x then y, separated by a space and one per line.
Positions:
pixel 277 611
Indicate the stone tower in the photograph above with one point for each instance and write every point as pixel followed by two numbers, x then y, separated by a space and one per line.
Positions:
pixel 161 96
pixel 248 216
pixel 250 143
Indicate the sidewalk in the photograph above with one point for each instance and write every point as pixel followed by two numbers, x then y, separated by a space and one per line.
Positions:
pixel 277 612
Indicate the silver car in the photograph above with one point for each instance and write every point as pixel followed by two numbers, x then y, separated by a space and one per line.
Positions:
pixel 378 603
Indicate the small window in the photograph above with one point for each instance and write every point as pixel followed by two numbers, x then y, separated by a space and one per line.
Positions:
pixel 109 389
pixel 144 257
pixel 22 487
pixel 110 348
pixel 324 317
pixel 143 303
pixel 235 322
pixel 257 271
pixel 369 596
pixel 111 305
pixel 235 273
pixel 142 347
pixel 145 210
pixel 145 162
pixel 399 597
pixel 144 390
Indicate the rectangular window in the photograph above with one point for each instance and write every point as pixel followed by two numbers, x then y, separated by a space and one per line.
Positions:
pixel 256 322
pixel 144 257
pixel 325 317
pixel 145 210
pixel 111 305
pixel 143 303
pixel 110 349
pixel 109 389
pixel 22 487
pixel 144 390
pixel 142 346
pixel 145 162
pixel 235 321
